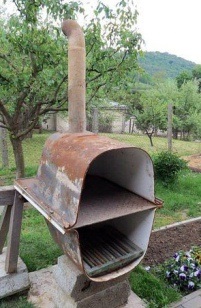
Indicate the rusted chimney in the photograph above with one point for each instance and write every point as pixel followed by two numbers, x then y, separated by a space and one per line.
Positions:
pixel 76 76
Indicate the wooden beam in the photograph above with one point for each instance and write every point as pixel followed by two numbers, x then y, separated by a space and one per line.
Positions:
pixel 4 226
pixel 7 195
pixel 14 234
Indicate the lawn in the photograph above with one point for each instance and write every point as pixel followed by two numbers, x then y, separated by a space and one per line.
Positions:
pixel 180 147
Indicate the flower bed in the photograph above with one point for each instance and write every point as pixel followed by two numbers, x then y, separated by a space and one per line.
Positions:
pixel 183 271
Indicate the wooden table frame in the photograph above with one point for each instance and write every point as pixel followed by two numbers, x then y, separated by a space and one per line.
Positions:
pixel 10 225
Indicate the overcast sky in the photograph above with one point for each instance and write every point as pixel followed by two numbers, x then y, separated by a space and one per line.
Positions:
pixel 172 26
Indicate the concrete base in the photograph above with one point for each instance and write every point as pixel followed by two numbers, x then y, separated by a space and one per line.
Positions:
pixel 51 289
pixel 13 283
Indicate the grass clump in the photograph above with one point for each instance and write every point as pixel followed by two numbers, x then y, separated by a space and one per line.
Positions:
pixel 150 288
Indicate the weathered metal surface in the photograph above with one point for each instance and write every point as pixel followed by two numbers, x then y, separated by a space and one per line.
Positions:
pixel 85 179
pixel 76 76
pixel 7 195
pixel 14 234
pixel 136 227
pixel 67 160
pixel 102 200
pixel 4 226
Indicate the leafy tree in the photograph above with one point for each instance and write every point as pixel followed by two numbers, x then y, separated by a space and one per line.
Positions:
pixel 153 114
pixel 33 61
pixel 196 72
pixel 183 77
pixel 154 102
pixel 188 110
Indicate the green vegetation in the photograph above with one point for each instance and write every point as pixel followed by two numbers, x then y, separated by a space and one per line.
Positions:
pixel 33 60
pixel 180 147
pixel 37 248
pixel 15 302
pixel 170 66
pixel 181 199
pixel 182 271
pixel 167 167
pixel 152 289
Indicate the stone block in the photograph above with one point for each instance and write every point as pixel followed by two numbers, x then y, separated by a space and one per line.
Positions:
pixel 75 284
pixel 12 283
pixel 112 297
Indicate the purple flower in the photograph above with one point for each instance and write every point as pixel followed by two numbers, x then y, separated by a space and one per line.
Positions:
pixel 191 285
pixel 197 274
pixel 177 258
pixel 182 276
pixel 184 268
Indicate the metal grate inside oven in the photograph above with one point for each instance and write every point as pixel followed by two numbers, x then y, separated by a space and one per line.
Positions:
pixel 105 249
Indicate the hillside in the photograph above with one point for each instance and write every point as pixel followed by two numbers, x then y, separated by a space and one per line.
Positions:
pixel 164 63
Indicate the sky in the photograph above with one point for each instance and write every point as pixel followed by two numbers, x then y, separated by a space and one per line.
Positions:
pixel 172 26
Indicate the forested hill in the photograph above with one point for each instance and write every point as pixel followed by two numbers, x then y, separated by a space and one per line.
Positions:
pixel 165 64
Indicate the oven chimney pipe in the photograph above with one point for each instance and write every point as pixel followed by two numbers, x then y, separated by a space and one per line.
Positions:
pixel 76 76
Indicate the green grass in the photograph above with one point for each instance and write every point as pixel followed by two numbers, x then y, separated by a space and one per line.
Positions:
pixel 37 248
pixel 182 200
pixel 180 147
pixel 154 291
pixel 32 148
pixel 15 302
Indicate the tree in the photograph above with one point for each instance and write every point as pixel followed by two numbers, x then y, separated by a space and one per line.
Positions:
pixel 154 101
pixel 196 72
pixel 34 67
pixel 153 115
pixel 183 77
pixel 188 110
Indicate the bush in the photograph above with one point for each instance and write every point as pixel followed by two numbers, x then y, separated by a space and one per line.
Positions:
pixel 167 166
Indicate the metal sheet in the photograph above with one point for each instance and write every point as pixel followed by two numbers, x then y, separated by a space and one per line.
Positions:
pixel 68 158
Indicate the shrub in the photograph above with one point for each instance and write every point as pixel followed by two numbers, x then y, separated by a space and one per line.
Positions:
pixel 167 166
pixel 183 271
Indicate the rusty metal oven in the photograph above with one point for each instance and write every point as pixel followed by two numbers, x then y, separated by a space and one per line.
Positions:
pixel 96 194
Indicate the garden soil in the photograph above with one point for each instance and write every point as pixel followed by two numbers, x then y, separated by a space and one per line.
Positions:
pixel 164 243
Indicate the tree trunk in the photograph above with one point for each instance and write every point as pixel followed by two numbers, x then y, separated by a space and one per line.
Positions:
pixel 4 147
pixel 150 139
pixel 19 156
pixel 169 128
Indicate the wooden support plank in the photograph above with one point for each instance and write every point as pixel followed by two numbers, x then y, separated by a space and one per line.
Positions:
pixel 4 226
pixel 14 234
pixel 7 194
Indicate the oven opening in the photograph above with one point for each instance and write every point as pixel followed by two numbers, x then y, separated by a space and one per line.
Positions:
pixel 104 249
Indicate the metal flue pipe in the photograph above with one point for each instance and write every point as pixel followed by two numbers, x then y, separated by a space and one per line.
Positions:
pixel 76 76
